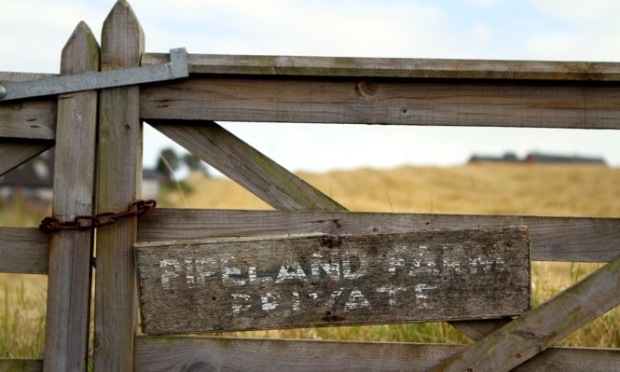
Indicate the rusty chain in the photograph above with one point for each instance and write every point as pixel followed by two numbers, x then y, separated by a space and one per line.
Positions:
pixel 53 224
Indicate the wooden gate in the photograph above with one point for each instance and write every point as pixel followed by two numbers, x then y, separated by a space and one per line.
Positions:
pixel 310 262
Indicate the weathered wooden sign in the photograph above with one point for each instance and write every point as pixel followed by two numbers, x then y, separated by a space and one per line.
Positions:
pixel 232 284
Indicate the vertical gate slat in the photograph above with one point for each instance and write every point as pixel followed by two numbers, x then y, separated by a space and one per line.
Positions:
pixel 119 159
pixel 69 283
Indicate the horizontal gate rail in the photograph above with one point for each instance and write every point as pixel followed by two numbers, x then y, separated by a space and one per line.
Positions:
pixel 393 67
pixel 553 238
pixel 429 102
pixel 183 353
pixel 24 250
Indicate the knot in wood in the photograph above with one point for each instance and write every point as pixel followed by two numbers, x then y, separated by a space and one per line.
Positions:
pixel 365 89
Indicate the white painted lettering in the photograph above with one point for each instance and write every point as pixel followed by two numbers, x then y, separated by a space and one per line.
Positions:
pixel 456 266
pixel 356 301
pixel 333 297
pixel 421 267
pixel 332 268
pixel 395 262
pixel 479 262
pixel 238 307
pixel 201 268
pixel 227 272
pixel 354 268
pixel 291 271
pixel 252 273
pixel 167 275
pixel 420 294
pixel 269 302
pixel 391 291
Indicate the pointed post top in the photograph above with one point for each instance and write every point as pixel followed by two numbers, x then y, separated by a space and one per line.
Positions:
pixel 122 39
pixel 81 52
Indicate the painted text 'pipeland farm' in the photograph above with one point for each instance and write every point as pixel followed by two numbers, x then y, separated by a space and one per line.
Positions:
pixel 343 267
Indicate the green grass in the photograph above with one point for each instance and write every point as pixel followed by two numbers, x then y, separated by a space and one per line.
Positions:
pixel 22 324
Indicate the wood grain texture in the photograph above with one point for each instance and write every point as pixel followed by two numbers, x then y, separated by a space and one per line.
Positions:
pixel 385 101
pixel 393 67
pixel 119 168
pixel 28 119
pixel 23 76
pixel 553 238
pixel 33 118
pixel 544 325
pixel 13 153
pixel 69 280
pixel 248 167
pixel 238 354
pixel 562 359
pixel 23 250
pixel 234 284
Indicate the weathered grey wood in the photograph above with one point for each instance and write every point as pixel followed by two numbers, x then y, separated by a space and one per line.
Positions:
pixel 34 119
pixel 21 365
pixel 23 250
pixel 562 359
pixel 393 67
pixel 69 281
pixel 6 76
pixel 29 119
pixel 248 167
pixel 553 238
pixel 13 153
pixel 543 326
pixel 119 168
pixel 238 354
pixel 380 101
pixel 296 281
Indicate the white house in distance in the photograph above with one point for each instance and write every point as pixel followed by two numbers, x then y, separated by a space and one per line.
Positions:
pixel 35 179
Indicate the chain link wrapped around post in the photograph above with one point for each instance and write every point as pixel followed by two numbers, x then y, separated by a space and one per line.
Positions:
pixel 52 224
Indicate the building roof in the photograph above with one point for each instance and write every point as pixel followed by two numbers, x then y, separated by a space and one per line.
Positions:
pixel 508 157
pixel 536 157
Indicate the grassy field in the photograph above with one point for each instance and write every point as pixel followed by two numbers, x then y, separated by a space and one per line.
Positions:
pixel 592 191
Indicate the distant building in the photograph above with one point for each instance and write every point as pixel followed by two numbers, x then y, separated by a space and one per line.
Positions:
pixel 152 179
pixel 35 179
pixel 539 158
pixel 508 157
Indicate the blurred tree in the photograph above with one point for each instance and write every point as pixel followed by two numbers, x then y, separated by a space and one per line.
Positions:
pixel 168 162
pixel 195 164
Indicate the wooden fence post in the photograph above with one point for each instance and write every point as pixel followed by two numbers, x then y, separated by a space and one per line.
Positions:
pixel 119 169
pixel 69 283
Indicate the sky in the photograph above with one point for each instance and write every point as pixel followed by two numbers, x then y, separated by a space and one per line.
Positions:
pixel 33 32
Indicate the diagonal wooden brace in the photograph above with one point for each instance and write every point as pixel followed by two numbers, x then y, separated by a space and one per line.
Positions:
pixel 525 337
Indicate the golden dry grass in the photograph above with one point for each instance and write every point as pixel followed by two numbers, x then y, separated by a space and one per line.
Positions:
pixel 557 190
